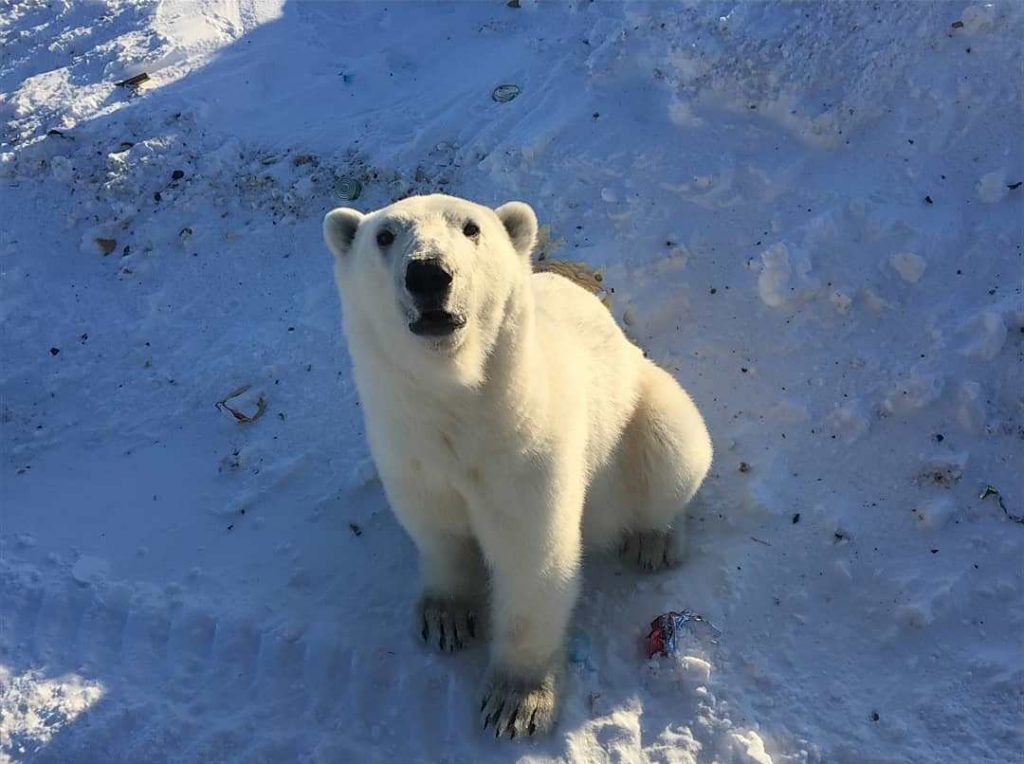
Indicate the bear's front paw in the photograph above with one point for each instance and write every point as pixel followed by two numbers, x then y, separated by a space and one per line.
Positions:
pixel 515 708
pixel 650 551
pixel 446 625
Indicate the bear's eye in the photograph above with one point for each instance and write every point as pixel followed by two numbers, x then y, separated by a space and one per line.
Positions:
pixel 471 229
pixel 385 238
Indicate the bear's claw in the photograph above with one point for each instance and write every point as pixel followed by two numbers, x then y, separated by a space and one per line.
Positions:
pixel 516 709
pixel 650 551
pixel 446 625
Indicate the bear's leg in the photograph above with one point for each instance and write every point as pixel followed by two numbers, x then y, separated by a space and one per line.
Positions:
pixel 449 613
pixel 453 578
pixel 664 457
pixel 533 550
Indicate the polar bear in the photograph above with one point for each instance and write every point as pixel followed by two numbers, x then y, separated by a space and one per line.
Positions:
pixel 510 420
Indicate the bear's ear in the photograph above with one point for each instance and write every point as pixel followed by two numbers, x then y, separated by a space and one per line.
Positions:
pixel 340 227
pixel 521 224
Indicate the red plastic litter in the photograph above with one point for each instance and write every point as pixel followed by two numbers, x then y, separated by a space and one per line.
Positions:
pixel 663 636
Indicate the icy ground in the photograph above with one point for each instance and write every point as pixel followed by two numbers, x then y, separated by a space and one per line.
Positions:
pixel 810 212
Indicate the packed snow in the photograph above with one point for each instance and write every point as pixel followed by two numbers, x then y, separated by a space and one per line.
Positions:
pixel 810 213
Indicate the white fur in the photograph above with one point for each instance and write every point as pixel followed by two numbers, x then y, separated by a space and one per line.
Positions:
pixel 501 447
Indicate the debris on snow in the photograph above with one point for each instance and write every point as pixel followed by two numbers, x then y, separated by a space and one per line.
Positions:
pixel 992 491
pixel 348 189
pixel 134 81
pixel 505 93
pixel 245 406
pixel 942 470
pixel 663 638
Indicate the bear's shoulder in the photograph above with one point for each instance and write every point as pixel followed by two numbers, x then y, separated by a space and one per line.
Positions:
pixel 561 302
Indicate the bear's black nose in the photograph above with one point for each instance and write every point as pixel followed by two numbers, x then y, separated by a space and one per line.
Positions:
pixel 427 280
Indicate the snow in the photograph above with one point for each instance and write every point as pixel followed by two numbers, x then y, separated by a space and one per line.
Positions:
pixel 986 332
pixel 910 266
pixel 35 708
pixel 992 187
pixel 806 212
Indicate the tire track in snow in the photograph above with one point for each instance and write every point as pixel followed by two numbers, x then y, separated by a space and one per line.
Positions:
pixel 164 668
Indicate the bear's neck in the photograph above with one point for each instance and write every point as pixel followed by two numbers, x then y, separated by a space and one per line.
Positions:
pixel 512 380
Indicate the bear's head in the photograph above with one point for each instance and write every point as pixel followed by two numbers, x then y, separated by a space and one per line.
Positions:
pixel 429 280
